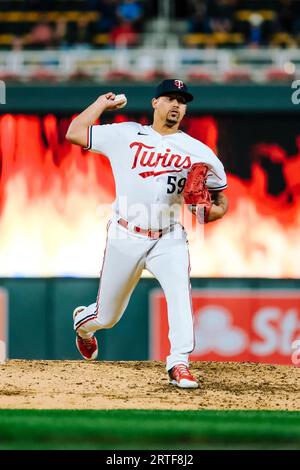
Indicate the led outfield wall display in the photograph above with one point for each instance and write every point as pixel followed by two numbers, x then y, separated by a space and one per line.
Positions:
pixel 55 198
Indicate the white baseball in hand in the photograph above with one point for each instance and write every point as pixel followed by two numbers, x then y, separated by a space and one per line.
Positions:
pixel 122 99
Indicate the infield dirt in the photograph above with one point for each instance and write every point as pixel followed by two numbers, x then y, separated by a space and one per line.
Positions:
pixel 144 385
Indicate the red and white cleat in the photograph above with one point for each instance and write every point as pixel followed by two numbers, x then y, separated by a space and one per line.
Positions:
pixel 88 347
pixel 181 377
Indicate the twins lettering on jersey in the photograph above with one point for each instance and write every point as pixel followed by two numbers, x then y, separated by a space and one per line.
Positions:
pixel 146 157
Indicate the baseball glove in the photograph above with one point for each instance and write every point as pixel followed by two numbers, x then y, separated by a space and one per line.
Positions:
pixel 196 193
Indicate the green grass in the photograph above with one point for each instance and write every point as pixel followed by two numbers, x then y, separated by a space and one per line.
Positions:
pixel 141 429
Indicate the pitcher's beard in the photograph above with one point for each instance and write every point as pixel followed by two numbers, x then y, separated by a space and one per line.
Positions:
pixel 171 122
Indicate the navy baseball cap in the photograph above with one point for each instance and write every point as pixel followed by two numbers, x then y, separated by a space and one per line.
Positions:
pixel 173 86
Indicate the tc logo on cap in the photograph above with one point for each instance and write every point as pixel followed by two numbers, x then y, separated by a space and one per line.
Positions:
pixel 178 83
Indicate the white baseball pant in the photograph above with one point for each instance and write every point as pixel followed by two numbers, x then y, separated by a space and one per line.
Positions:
pixel 126 255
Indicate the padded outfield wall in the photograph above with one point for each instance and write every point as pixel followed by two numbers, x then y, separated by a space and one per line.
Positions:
pixel 71 97
pixel 235 320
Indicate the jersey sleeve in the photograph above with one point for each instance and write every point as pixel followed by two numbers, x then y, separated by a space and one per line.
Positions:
pixel 216 176
pixel 103 139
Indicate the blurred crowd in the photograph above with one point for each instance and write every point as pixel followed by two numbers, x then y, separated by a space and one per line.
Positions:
pixel 257 22
pixel 39 24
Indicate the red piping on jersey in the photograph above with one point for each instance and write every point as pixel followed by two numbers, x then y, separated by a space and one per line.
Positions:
pixel 88 138
pixel 219 188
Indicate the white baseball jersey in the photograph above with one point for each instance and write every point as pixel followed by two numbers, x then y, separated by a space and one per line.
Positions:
pixel 150 169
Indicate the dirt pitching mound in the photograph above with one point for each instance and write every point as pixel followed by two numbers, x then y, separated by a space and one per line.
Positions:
pixel 144 385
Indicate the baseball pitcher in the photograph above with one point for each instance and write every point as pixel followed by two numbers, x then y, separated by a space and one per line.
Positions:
pixel 156 168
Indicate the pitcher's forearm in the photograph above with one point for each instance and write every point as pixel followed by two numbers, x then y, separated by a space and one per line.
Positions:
pixel 89 115
pixel 216 212
pixel 219 207
pixel 77 132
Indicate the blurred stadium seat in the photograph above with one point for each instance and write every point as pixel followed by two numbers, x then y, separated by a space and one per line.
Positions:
pixel 118 75
pixel 278 75
pixel 237 76
pixel 200 76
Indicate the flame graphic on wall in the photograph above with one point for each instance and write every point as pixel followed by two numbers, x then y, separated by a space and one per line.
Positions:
pixel 52 220
pixel 55 203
